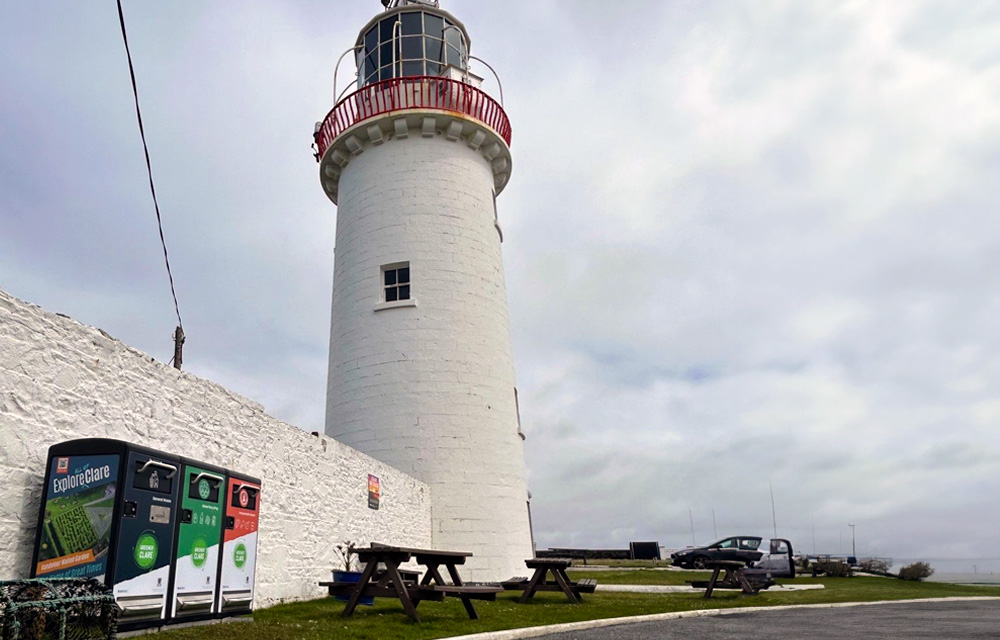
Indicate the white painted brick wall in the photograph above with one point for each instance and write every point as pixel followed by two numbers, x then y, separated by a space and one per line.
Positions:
pixel 430 389
pixel 60 380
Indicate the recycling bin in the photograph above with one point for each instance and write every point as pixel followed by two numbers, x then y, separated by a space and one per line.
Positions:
pixel 195 569
pixel 108 513
pixel 238 562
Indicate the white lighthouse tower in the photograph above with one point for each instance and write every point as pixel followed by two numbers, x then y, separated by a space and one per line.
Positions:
pixel 421 372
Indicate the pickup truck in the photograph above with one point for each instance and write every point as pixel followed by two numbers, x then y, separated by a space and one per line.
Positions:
pixel 773 555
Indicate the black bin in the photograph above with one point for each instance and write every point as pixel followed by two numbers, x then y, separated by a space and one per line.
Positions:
pixel 109 511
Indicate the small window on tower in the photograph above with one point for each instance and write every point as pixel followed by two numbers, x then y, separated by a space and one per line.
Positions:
pixel 396 282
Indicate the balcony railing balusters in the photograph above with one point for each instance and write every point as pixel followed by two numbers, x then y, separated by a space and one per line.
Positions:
pixel 417 92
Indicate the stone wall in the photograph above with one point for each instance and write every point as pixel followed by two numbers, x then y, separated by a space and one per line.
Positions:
pixel 61 380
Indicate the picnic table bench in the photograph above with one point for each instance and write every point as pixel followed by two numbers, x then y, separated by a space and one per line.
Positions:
pixel 737 577
pixel 394 582
pixel 560 581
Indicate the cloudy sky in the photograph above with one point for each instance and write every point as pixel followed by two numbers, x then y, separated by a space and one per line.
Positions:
pixel 745 241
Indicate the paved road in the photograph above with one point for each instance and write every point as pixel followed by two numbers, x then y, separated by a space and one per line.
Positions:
pixel 951 620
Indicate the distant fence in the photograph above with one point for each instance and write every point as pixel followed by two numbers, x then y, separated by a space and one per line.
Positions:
pixel 636 551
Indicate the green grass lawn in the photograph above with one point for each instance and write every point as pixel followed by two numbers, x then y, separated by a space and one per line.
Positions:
pixel 836 589
pixel 321 618
pixel 624 563
pixel 639 576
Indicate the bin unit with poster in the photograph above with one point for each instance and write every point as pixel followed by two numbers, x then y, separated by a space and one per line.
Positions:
pixel 238 561
pixel 108 513
pixel 194 575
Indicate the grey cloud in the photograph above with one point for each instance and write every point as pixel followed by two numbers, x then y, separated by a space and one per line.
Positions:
pixel 743 240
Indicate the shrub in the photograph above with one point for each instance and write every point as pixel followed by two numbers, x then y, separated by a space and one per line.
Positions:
pixel 916 571
pixel 873 565
pixel 832 568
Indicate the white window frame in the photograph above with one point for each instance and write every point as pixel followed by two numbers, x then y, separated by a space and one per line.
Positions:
pixel 383 303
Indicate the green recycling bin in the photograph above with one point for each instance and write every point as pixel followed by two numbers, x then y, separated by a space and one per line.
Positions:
pixel 195 570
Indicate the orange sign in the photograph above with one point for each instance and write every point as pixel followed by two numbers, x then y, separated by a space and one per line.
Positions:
pixel 374 492
pixel 65 562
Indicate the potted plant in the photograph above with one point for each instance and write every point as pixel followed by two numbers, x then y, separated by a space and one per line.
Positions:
pixel 345 550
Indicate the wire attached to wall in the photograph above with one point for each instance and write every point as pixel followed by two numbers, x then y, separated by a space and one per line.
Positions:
pixel 179 333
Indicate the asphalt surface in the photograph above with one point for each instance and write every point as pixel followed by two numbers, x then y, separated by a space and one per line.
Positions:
pixel 951 620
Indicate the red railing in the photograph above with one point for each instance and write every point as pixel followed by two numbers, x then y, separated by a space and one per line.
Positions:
pixel 415 92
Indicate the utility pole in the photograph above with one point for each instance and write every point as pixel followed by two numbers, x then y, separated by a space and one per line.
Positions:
pixel 854 549
pixel 691 517
pixel 715 526
pixel 178 348
pixel 814 533
pixel 774 518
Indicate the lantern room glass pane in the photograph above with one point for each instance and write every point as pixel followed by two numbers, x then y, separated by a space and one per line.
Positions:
pixel 413 68
pixel 385 29
pixel 412 23
pixel 385 54
pixel 454 37
pixel 371 39
pixel 454 57
pixel 433 25
pixel 385 73
pixel 434 49
pixel 433 69
pixel 413 48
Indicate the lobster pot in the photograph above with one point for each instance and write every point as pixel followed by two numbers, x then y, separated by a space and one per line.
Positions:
pixel 66 608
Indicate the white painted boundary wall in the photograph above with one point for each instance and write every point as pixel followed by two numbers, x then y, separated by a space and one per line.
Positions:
pixel 61 380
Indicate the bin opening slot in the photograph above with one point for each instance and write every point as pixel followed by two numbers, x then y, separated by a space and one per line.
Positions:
pixel 155 476
pixel 237 598
pixel 195 601
pixel 245 497
pixel 140 606
pixel 156 464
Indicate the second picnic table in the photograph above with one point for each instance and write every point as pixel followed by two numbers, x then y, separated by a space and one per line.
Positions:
pixel 736 577
pixel 395 583
pixel 561 582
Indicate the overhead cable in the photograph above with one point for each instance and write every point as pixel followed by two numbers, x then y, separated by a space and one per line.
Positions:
pixel 149 166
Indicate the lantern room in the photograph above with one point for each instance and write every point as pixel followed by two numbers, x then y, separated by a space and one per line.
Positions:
pixel 412 39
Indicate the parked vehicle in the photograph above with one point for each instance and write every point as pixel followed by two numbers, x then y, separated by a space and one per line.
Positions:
pixel 741 548
pixel 773 556
pixel 777 559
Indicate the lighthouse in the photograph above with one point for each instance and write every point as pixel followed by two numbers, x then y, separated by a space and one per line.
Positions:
pixel 414 155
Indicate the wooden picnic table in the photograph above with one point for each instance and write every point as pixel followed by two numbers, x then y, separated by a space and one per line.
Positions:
pixel 736 578
pixel 560 581
pixel 393 582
